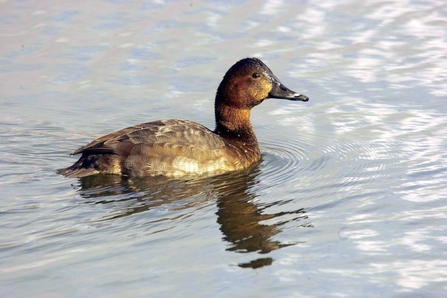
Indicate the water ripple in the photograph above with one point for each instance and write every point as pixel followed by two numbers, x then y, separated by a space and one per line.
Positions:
pixel 282 159
pixel 348 163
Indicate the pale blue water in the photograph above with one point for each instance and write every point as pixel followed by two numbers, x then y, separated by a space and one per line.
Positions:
pixel 349 200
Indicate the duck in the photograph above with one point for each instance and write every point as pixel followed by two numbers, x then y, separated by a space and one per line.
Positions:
pixel 177 148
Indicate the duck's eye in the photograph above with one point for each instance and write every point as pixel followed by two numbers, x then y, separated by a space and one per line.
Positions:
pixel 255 75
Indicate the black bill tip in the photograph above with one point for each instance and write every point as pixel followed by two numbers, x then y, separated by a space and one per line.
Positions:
pixel 301 97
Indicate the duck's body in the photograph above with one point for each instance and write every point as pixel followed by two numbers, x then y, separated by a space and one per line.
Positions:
pixel 175 148
pixel 171 148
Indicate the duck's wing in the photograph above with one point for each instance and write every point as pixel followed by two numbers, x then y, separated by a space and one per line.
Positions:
pixel 163 132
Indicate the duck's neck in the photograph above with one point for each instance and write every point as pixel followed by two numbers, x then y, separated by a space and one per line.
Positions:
pixel 234 123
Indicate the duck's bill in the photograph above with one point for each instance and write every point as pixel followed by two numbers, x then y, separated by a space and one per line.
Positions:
pixel 281 91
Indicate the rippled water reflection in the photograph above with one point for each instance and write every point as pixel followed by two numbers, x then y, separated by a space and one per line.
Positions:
pixel 349 199
pixel 246 226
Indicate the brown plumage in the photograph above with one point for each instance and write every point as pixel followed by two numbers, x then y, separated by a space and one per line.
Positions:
pixel 175 148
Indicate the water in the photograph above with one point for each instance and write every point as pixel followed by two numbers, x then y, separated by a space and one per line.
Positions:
pixel 350 196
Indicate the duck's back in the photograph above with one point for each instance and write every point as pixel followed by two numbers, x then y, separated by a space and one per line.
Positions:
pixel 171 148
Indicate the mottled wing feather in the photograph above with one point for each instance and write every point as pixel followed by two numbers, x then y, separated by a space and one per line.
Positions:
pixel 165 132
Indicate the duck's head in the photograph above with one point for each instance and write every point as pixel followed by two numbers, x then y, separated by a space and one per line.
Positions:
pixel 248 83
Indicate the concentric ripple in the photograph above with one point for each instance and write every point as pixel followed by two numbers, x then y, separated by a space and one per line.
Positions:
pixel 282 160
pixel 346 160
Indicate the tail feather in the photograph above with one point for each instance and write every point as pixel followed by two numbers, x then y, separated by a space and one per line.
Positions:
pixel 89 165
pixel 71 172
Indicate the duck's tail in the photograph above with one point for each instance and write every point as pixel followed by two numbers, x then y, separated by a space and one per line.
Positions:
pixel 92 164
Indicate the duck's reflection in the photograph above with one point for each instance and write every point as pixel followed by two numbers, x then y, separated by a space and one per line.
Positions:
pixel 244 224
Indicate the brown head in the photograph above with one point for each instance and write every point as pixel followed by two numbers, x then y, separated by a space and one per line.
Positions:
pixel 245 85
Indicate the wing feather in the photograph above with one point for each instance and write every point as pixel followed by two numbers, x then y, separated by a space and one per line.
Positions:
pixel 163 132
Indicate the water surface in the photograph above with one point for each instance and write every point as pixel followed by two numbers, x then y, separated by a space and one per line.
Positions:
pixel 350 196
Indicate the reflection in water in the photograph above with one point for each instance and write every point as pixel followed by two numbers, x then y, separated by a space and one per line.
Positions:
pixel 242 222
